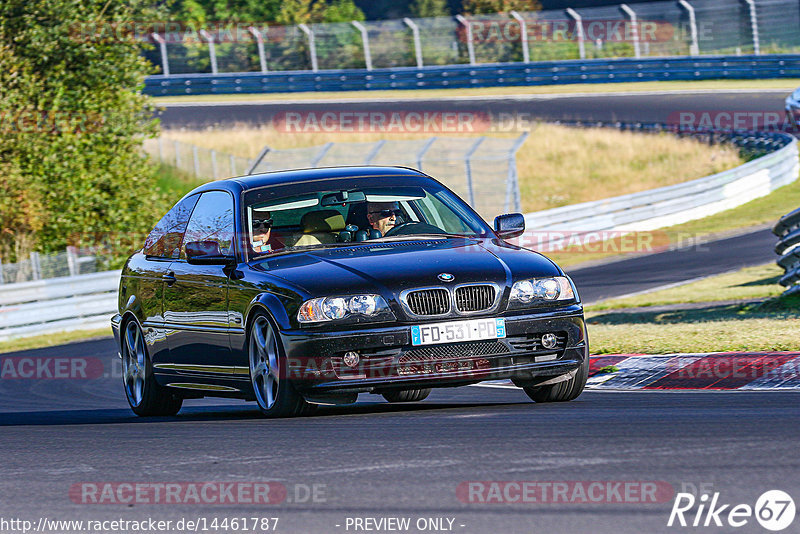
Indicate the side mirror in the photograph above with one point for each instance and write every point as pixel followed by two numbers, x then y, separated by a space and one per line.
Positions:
pixel 206 253
pixel 509 225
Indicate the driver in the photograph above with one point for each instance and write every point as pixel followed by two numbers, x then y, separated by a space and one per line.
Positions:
pixel 264 241
pixel 382 216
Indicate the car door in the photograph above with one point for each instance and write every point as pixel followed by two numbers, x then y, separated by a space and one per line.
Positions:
pixel 196 296
pixel 146 272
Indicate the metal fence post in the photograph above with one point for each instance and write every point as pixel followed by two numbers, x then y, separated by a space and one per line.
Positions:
pixel 754 26
pixel 72 261
pixel 232 161
pixel 417 42
pixel 365 42
pixel 312 45
pixel 214 164
pixel 423 150
pixel 160 149
pixel 694 48
pixel 374 152
pixel 261 155
pixel 523 32
pixel 262 56
pixel 36 267
pixel 162 47
pixel 634 29
pixel 196 161
pixel 470 43
pixel 177 154
pixel 212 51
pixel 579 29
pixel 468 169
pixel 512 183
pixel 2 279
pixel 321 154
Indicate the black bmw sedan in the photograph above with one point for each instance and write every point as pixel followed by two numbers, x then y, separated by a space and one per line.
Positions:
pixel 308 287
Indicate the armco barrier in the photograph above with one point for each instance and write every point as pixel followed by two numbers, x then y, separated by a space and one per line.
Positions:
pixel 666 206
pixel 45 306
pixel 490 75
pixel 788 231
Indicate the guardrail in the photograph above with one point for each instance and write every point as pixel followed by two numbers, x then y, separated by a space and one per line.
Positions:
pixel 667 206
pixel 490 75
pixel 45 306
pixel 788 231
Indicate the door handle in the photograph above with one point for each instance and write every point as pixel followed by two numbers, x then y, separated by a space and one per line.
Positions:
pixel 169 278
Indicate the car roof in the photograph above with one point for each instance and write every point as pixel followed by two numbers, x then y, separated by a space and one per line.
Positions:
pixel 243 183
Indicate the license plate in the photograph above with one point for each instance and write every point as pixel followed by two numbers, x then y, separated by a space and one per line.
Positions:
pixel 455 331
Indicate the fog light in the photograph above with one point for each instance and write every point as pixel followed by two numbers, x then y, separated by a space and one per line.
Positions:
pixel 351 359
pixel 549 341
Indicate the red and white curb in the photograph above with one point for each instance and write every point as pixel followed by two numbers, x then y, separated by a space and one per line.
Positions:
pixel 706 371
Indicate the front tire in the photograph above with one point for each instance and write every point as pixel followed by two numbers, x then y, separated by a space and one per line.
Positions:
pixel 406 395
pixel 145 396
pixel 275 394
pixel 563 391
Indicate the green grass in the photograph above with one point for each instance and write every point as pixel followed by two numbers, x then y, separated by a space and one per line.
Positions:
pixel 175 183
pixel 51 340
pixel 772 324
pixel 782 83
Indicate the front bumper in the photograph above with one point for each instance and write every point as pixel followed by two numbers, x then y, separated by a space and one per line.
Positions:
pixel 389 361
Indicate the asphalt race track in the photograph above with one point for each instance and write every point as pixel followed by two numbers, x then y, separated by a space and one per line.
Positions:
pixel 377 460
pixel 630 107
pixel 701 259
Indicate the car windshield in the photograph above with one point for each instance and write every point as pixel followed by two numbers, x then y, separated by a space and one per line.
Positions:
pixel 333 216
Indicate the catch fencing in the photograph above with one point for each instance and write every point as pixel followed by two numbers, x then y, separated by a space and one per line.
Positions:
pixel 641 30
pixel 482 170
pixel 38 266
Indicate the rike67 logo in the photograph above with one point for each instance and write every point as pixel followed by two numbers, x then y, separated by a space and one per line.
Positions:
pixel 774 510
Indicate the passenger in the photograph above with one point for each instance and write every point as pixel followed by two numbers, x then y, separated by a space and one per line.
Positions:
pixel 382 216
pixel 264 241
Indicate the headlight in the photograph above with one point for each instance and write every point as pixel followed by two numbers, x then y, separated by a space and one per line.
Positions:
pixel 541 289
pixel 334 308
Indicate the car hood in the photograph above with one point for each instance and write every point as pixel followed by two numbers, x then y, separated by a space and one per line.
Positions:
pixel 393 266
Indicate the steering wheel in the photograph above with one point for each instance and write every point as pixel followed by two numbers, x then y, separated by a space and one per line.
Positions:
pixel 413 227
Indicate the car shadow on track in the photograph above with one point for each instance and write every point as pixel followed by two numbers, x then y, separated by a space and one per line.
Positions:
pixel 221 413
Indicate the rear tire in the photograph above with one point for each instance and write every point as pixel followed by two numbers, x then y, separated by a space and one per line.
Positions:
pixel 566 390
pixel 274 392
pixel 145 396
pixel 406 395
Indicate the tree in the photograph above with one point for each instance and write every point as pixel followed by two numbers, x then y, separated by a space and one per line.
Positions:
pixel 478 7
pixel 73 171
pixel 430 8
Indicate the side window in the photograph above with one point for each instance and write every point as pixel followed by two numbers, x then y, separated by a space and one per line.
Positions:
pixel 212 220
pixel 165 239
